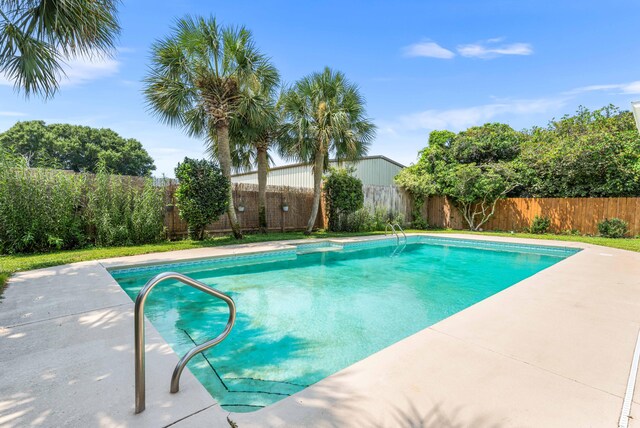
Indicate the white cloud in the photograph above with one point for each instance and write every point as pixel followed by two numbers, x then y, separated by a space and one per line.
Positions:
pixel 83 69
pixel 125 49
pixel 630 88
pixel 80 70
pixel 490 49
pixel 428 49
pixel 461 118
pixel 12 114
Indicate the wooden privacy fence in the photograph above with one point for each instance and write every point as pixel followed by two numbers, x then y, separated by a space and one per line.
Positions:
pixel 298 201
pixel 566 214
pixel 392 198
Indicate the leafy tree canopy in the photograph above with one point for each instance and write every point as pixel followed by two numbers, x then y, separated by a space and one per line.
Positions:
pixel 591 154
pixel 474 168
pixel 76 148
pixel 493 142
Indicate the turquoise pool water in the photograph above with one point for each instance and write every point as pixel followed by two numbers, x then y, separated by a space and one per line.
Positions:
pixel 306 313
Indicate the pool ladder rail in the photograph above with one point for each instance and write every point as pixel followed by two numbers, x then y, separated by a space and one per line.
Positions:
pixel 395 227
pixel 140 338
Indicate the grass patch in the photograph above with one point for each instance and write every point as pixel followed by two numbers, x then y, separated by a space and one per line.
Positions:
pixel 630 244
pixel 23 262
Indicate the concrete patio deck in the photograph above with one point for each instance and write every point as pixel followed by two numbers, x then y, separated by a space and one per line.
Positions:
pixel 554 350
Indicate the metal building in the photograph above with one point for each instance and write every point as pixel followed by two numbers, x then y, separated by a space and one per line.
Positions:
pixel 372 170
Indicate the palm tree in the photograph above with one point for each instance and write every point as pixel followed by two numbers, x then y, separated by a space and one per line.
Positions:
pixel 323 115
pixel 252 137
pixel 37 36
pixel 202 77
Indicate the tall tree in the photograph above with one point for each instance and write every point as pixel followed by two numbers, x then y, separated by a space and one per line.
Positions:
pixel 588 154
pixel 324 115
pixel 76 148
pixel 252 137
pixel 202 77
pixel 37 36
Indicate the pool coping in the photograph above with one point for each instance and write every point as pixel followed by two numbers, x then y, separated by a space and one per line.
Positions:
pixel 346 397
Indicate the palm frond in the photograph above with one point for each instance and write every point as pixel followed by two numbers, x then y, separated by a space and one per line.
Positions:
pixel 324 115
pixel 37 36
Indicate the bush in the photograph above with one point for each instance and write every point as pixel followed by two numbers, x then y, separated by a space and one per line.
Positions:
pixel 381 217
pixel 202 195
pixel 613 228
pixel 570 232
pixel 419 223
pixel 121 211
pixel 40 210
pixel 540 225
pixel 43 210
pixel 397 218
pixel 358 221
pixel 344 196
pixel 370 220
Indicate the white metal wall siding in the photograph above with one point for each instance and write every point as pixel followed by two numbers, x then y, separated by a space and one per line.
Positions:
pixel 296 176
pixel 375 171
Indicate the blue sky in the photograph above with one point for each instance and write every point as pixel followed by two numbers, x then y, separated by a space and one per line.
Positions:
pixel 421 65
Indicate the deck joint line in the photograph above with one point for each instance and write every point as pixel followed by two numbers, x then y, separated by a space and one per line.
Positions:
pixel 188 416
pixel 57 317
pixel 631 384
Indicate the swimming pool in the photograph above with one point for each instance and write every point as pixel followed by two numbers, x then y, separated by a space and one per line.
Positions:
pixel 307 312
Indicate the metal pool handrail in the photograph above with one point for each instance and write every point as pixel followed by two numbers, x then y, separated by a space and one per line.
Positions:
pixel 393 229
pixel 403 234
pixel 139 332
pixel 395 232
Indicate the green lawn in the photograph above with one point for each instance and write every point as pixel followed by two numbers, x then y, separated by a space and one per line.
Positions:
pixel 17 263
pixel 630 244
pixel 23 262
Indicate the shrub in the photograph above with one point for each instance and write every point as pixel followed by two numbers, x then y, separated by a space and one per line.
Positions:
pixel 381 217
pixel 397 218
pixel 202 195
pixel 570 232
pixel 540 225
pixel 358 221
pixel 367 219
pixel 419 223
pixel 344 196
pixel 123 211
pixel 40 210
pixel 43 210
pixel 613 228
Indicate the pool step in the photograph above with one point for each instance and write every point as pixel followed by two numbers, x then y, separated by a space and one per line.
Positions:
pixel 320 250
pixel 318 247
pixel 249 394
pixel 262 386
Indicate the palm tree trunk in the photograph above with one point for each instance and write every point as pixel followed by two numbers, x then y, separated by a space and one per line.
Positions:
pixel 317 182
pixel 262 188
pixel 224 157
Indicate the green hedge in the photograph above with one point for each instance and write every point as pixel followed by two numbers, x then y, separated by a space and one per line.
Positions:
pixel 43 210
